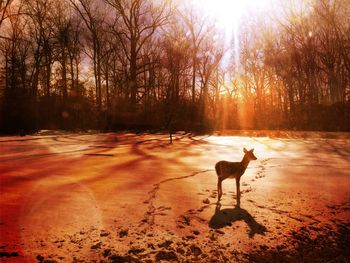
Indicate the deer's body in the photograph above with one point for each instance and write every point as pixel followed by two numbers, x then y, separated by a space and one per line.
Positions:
pixel 225 169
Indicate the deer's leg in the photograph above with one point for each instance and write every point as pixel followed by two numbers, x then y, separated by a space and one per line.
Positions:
pixel 238 191
pixel 219 189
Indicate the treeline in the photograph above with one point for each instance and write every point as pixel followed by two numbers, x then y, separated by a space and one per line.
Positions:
pixel 144 64
pixel 296 70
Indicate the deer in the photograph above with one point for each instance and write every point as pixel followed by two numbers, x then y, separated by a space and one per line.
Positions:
pixel 225 169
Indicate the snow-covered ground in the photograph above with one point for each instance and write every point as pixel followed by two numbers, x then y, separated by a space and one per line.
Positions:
pixel 123 197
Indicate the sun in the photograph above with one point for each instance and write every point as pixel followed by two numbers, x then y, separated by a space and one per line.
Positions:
pixel 229 13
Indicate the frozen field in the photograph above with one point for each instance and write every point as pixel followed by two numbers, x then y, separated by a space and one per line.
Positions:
pixel 123 197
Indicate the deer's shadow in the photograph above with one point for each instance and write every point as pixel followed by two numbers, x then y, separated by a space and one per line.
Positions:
pixel 225 217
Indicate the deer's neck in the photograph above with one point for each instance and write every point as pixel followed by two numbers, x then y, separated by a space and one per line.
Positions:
pixel 245 161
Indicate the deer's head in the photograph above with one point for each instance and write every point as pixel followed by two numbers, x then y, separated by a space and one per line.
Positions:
pixel 249 154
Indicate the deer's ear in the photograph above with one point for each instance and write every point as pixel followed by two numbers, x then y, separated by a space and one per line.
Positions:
pixel 252 150
pixel 245 150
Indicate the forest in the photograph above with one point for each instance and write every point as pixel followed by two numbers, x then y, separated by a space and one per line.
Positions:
pixel 164 65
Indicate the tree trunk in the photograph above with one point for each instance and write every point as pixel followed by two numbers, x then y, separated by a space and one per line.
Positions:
pixel 99 102
pixel 133 75
pixel 64 73
pixel 194 69
pixel 72 73
pixel 48 75
pixel 107 86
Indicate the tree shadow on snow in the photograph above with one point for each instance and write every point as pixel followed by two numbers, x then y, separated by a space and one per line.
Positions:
pixel 226 217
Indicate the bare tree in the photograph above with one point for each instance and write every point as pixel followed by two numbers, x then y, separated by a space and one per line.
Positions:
pixel 136 21
pixel 93 19
pixel 208 61
pixel 198 31
pixel 175 63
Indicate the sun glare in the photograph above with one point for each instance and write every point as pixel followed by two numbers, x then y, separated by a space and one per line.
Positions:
pixel 227 13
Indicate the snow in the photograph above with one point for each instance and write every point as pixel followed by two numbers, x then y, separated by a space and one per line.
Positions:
pixel 66 196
